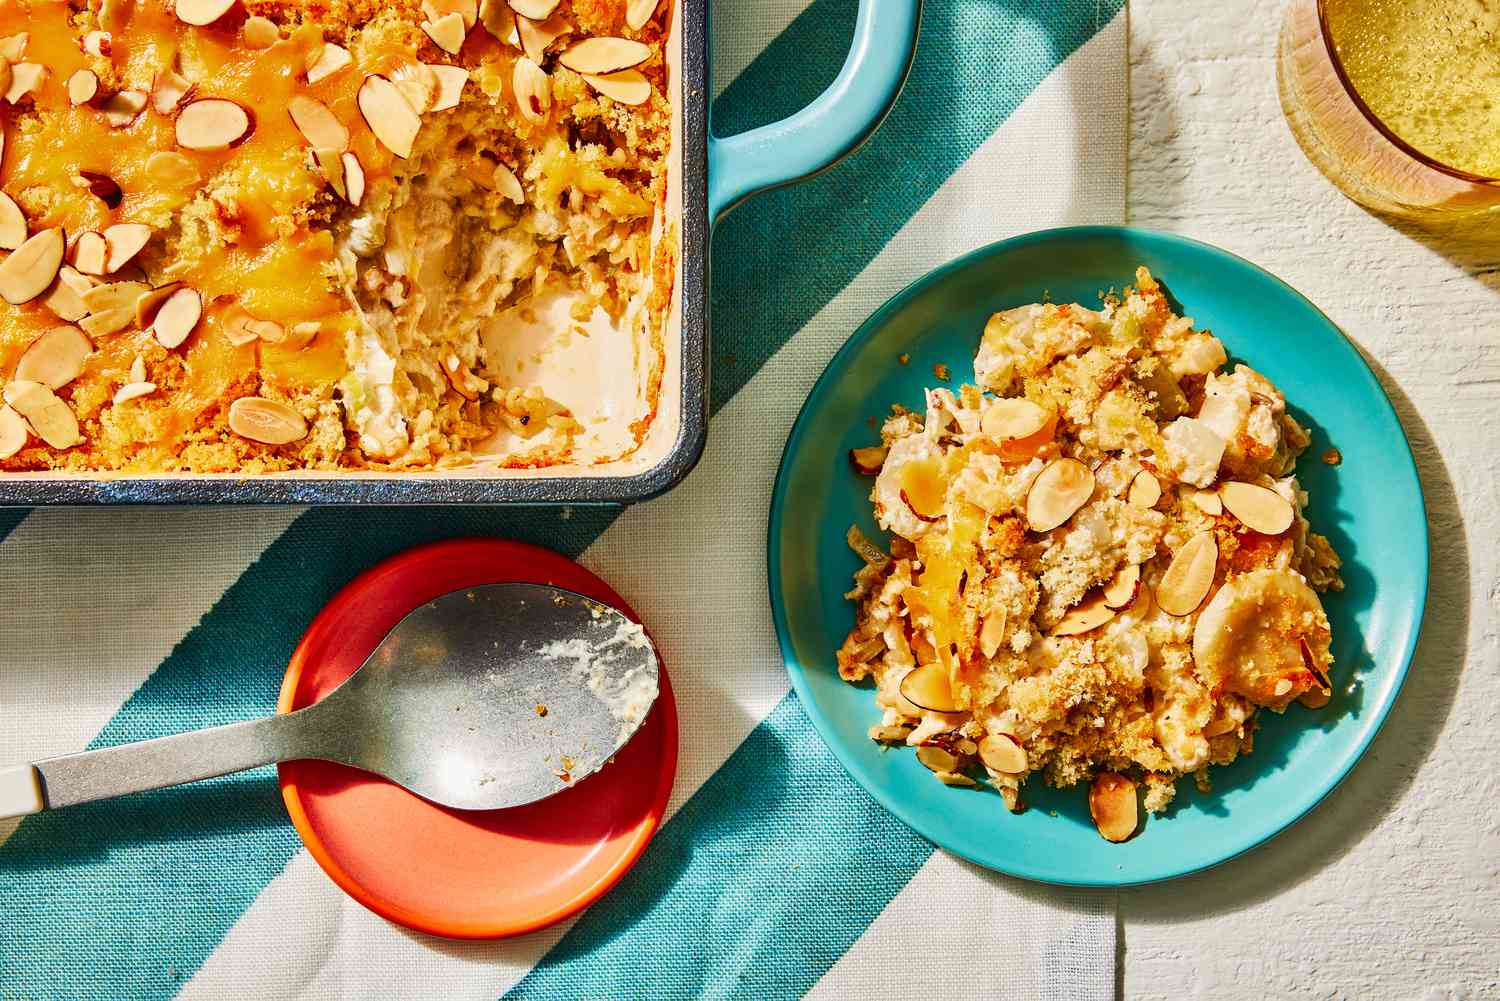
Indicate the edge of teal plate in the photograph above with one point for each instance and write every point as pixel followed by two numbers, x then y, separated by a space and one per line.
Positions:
pixel 831 374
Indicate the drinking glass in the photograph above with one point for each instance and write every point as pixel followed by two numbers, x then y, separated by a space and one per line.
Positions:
pixel 1409 54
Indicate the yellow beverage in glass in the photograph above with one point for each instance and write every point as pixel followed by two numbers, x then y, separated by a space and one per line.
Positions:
pixel 1398 101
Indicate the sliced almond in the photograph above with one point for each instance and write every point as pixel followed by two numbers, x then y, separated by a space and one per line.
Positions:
pixel 331 165
pixel 1189 576
pixel 12 223
pixel 114 295
pixel 138 369
pixel 97 43
pixel 202 12
pixel 133 390
pixel 13 47
pixel 1206 501
pixel 212 123
pixel 354 179
pixel 1113 807
pixel 318 125
pixel 48 415
pixel 467 9
pixel 13 432
pixel 169 167
pixel 260 32
pixel 628 87
pixel 178 317
pixel 1086 616
pixel 508 185
pixel 238 325
pixel 938 759
pixel 867 461
pixel 537 10
pixel 168 91
pixel 66 296
pixel 122 109
pixel 266 421
pixel 499 20
pixel 1120 591
pixel 604 54
pixel 304 333
pixel 418 84
pixel 1057 493
pixel 927 687
pixel 124 240
pixel 25 79
pixel 1145 489
pixel 91 253
pixel 326 61
pixel 83 87
pixel 638 12
pixel 992 632
pixel 32 266
pixel 56 358
pixel 1017 418
pixel 1258 508
pixel 388 115
pixel 148 302
pixel 536 36
pixel 447 32
pixel 1000 752
pixel 450 85
pixel 533 89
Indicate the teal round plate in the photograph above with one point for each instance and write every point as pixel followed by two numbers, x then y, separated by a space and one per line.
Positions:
pixel 1370 506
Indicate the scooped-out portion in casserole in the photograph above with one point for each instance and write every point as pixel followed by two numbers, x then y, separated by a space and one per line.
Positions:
pixel 1098 568
pixel 249 236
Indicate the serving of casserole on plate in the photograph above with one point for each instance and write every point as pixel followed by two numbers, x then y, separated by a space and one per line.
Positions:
pixel 252 237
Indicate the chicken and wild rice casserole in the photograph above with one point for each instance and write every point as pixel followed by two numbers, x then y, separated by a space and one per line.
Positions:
pixel 251 236
pixel 1098 566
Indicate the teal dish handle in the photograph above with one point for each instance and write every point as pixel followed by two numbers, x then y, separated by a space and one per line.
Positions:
pixel 830 128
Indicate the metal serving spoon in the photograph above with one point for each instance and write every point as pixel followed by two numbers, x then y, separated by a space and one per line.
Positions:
pixel 486 697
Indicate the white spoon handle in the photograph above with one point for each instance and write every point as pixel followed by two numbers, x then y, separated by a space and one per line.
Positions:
pixel 20 791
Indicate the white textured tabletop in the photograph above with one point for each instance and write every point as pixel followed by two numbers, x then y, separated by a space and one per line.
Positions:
pixel 1391 888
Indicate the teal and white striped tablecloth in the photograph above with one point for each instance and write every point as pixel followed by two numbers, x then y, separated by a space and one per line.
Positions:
pixel 775 876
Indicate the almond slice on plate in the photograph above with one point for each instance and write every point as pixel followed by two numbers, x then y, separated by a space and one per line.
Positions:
pixel 447 32
pixel 326 61
pixel 867 461
pixel 536 36
pixel 12 223
pixel 13 432
pixel 1057 493
pixel 318 125
pixel 260 32
pixel 638 12
pixel 124 240
pixel 1206 501
pixel 168 91
pixel 927 687
pixel 66 297
pixel 122 109
pixel 202 12
pixel 1258 508
pixel 177 317
pixel 212 123
pixel 97 43
pixel 1113 807
pixel 467 9
pixel 146 305
pixel 604 55
pixel 1086 616
pixel 418 84
pixel 508 185
pixel 25 79
pixel 32 266
pixel 354 179
pixel 331 165
pixel 138 369
pixel 1120 591
pixel 56 358
pixel 537 10
pixel 938 759
pixel 83 87
pixel 48 415
pixel 533 89
pixel 266 421
pixel 1145 489
pixel 1189 576
pixel 1000 752
pixel 91 253
pixel 133 390
pixel 1012 418
pixel 628 87
pixel 13 47
pixel 388 114
pixel 450 85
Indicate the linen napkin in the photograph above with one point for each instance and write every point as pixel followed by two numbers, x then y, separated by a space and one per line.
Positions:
pixel 775 876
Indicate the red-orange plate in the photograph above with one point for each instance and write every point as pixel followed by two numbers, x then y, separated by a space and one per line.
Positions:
pixel 450 872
